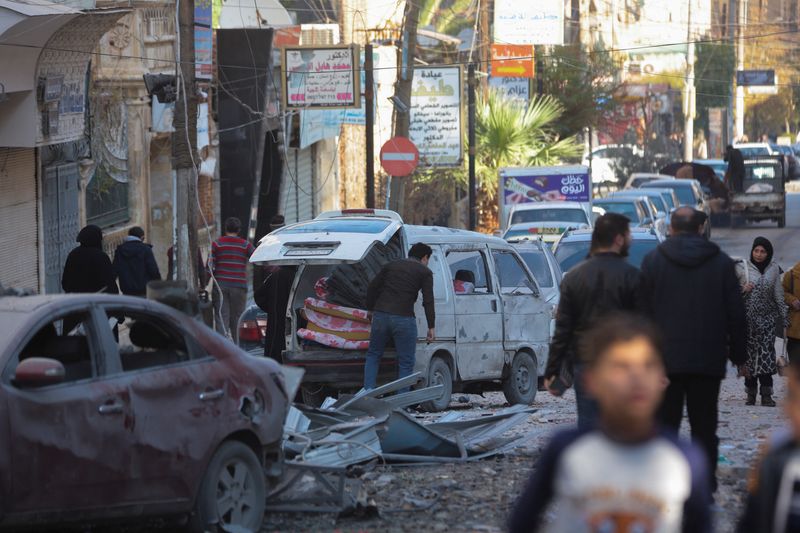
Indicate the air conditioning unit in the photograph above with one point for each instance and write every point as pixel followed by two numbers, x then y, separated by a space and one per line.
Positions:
pixel 319 34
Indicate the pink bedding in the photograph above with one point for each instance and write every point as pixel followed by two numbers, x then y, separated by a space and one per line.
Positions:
pixel 333 341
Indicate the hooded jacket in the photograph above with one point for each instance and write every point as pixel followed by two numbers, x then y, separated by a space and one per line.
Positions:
pixel 88 268
pixel 690 290
pixel 135 265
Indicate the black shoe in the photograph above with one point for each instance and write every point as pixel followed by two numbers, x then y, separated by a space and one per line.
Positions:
pixel 766 397
pixel 751 397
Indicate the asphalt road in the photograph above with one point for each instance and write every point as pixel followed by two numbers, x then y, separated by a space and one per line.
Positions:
pixel 786 241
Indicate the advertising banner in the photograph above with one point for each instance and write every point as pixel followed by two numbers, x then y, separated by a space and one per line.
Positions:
pixel 436 126
pixel 522 185
pixel 321 77
pixel 539 22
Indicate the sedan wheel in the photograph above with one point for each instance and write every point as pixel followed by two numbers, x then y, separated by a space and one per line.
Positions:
pixel 234 489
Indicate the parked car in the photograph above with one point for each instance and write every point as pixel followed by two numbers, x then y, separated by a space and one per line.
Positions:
pixel 116 407
pixel 654 202
pixel 638 178
pixel 573 247
pixel 633 208
pixel 792 163
pixel 493 336
pixel 605 159
pixel 547 220
pixel 756 149
pixel 542 263
pixel 688 192
pixel 253 330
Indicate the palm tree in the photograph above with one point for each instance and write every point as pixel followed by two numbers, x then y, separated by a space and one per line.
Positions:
pixel 510 133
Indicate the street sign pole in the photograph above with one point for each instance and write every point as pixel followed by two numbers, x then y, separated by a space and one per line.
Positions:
pixel 471 82
pixel 369 112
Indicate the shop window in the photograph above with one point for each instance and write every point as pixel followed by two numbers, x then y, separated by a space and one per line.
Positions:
pixel 106 200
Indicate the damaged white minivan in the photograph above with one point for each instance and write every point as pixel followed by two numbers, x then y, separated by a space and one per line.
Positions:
pixel 492 325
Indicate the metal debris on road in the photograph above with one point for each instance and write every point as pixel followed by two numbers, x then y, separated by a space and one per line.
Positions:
pixel 321 443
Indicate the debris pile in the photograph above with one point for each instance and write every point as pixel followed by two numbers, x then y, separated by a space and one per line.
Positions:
pixel 320 444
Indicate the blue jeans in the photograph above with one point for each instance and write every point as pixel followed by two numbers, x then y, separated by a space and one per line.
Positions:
pixel 401 329
pixel 588 411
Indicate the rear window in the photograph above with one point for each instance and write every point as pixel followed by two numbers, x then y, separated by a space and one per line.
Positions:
pixel 569 254
pixel 754 151
pixel 550 215
pixel 338 226
pixel 684 193
pixel 537 262
pixel 623 208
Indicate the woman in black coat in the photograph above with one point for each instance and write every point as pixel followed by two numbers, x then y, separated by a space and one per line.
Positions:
pixel 88 268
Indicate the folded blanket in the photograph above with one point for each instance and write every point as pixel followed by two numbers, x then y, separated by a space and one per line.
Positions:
pixel 333 341
pixel 342 327
pixel 349 313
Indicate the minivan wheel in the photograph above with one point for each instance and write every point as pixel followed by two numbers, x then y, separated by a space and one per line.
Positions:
pixel 520 386
pixel 233 492
pixel 313 395
pixel 439 373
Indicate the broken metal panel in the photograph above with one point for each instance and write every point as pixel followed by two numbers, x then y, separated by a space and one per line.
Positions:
pixel 403 434
pixel 393 386
pixel 346 448
pixel 414 397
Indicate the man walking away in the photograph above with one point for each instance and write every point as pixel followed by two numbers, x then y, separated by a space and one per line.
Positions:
pixel 228 263
pixel 689 288
pixel 390 299
pixel 135 264
pixel 602 284
pixel 88 268
pixel 734 175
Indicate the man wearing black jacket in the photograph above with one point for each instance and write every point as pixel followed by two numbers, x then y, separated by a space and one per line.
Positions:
pixel 390 299
pixel 690 290
pixel 135 264
pixel 602 284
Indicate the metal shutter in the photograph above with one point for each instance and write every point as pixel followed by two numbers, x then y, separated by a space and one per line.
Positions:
pixel 19 259
pixel 298 191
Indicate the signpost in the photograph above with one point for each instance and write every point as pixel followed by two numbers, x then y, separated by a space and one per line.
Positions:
pixel 399 156
pixel 512 61
pixel 748 78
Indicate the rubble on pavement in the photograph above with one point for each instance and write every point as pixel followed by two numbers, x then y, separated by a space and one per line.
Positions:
pixel 321 445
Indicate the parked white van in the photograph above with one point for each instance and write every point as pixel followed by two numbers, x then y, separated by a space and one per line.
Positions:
pixel 492 336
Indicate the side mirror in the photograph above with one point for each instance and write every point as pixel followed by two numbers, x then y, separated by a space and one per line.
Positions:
pixel 38 372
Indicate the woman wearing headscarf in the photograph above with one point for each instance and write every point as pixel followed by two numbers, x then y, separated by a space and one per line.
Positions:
pixel 760 279
pixel 88 267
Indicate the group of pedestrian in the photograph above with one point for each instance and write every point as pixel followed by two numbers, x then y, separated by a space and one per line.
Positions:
pixel 639 347
pixel 88 269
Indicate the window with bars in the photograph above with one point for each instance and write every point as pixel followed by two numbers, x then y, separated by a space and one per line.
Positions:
pixel 106 201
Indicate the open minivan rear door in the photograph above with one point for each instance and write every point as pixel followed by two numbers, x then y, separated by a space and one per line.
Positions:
pixel 325 241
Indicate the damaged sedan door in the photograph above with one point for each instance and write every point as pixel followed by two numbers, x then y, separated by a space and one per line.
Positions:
pixel 70 439
pixel 179 403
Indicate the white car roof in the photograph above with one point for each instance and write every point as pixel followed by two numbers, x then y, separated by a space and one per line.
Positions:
pixel 442 235
pixel 531 206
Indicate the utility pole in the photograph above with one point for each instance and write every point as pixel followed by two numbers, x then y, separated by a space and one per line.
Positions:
pixel 184 139
pixel 369 113
pixel 739 107
pixel 402 118
pixel 472 82
pixel 689 93
pixel 486 8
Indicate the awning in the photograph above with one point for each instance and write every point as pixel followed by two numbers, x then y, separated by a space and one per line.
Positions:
pixel 40 39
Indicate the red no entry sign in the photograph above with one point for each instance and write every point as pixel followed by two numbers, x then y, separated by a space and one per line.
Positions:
pixel 399 156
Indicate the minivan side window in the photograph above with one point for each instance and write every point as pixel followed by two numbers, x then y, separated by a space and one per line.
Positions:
pixel 469 272
pixel 511 273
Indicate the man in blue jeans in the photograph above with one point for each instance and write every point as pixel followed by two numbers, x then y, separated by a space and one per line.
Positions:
pixel 390 300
